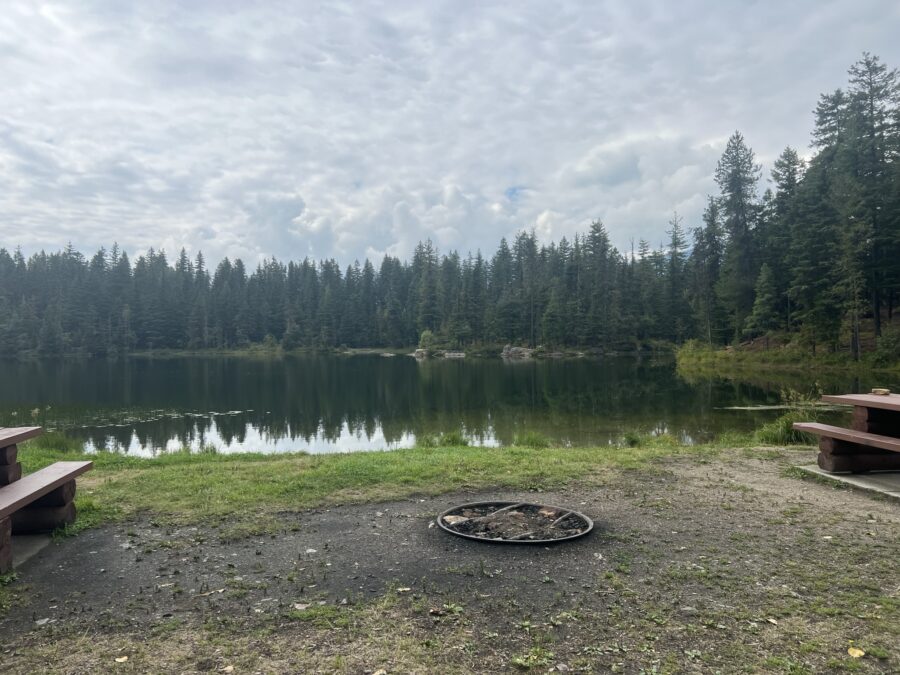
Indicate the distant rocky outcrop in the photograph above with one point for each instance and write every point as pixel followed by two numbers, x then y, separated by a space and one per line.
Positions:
pixel 511 353
pixel 438 354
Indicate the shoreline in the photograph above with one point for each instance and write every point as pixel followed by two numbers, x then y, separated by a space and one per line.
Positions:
pixel 262 352
pixel 694 358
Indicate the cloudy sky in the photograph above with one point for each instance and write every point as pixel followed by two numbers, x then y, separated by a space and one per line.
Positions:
pixel 339 129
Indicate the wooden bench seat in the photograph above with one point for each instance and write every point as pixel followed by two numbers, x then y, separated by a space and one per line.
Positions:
pixel 40 501
pixel 13 435
pixel 850 435
pixel 32 487
pixel 850 450
pixel 9 470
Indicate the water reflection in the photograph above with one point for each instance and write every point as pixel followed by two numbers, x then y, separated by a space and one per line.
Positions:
pixel 335 404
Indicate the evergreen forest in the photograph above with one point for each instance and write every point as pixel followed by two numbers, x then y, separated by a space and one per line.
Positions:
pixel 810 250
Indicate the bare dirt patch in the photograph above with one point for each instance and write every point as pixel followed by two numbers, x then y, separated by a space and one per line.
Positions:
pixel 726 566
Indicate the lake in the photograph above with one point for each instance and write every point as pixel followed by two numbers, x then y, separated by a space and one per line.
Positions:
pixel 319 404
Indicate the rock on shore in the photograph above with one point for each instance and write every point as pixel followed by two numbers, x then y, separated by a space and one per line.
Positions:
pixel 516 353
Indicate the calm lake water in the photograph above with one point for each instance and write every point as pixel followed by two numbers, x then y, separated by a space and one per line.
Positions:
pixel 323 404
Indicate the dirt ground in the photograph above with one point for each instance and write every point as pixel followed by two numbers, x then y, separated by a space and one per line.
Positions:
pixel 731 565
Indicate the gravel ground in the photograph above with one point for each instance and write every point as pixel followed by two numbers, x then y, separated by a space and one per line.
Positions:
pixel 729 565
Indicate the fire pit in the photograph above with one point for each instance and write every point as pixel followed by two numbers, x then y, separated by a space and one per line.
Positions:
pixel 514 522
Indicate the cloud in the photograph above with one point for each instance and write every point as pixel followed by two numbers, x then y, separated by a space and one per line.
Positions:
pixel 347 130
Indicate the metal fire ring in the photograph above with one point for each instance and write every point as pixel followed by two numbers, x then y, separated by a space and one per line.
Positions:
pixel 454 510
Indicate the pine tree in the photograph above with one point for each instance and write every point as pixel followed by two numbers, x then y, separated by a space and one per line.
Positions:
pixel 787 173
pixel 706 265
pixel 873 137
pixel 677 306
pixel 736 175
pixel 764 317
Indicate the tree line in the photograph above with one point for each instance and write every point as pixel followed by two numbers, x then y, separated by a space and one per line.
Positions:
pixel 815 255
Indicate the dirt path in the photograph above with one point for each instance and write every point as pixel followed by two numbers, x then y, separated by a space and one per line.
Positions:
pixel 692 568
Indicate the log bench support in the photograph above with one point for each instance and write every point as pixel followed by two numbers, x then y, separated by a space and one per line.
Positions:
pixel 852 450
pixel 876 421
pixel 39 502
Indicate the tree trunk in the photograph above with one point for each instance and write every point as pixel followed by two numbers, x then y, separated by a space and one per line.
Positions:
pixel 876 310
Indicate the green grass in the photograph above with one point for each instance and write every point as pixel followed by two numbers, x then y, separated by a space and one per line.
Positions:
pixel 325 616
pixel 452 439
pixel 531 439
pixel 781 431
pixel 8 596
pixel 186 486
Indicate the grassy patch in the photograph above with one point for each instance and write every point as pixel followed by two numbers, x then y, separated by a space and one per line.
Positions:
pixel 358 639
pixel 191 487
pixel 781 430
pixel 531 439
pixel 8 592
pixel 324 616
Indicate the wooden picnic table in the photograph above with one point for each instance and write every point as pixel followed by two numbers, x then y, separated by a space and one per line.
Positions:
pixel 873 413
pixel 43 500
pixel 880 401
pixel 870 444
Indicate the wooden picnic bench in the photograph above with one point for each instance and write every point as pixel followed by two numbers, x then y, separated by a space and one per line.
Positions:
pixel 871 444
pixel 43 500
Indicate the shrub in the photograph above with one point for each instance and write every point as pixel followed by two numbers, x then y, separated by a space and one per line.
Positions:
pixel 452 439
pixel 887 349
pixel 802 409
pixel 426 340
pixel 426 441
pixel 781 432
pixel 531 439
pixel 56 442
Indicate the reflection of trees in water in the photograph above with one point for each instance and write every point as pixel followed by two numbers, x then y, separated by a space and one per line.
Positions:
pixel 774 381
pixel 305 398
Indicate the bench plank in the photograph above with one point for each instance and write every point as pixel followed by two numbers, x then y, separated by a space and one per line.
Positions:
pixel 14 435
pixel 859 437
pixel 26 490
pixel 889 402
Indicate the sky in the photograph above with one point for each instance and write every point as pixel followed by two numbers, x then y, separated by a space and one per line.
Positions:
pixel 354 129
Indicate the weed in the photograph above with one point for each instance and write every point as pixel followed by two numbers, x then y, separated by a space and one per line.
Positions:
pixel 321 616
pixel 536 657
pixel 531 439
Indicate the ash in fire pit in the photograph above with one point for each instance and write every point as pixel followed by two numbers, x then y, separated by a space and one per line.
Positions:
pixel 514 522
